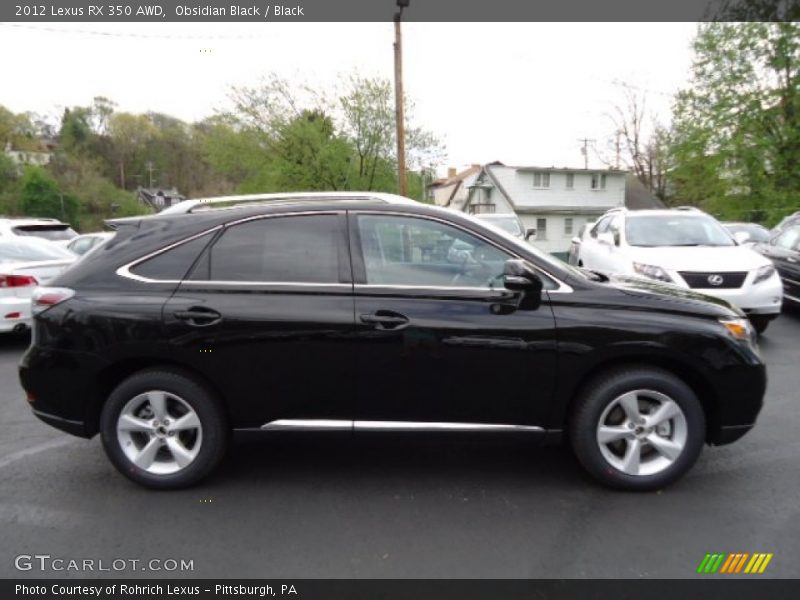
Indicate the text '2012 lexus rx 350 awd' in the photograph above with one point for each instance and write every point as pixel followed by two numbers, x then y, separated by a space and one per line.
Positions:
pixel 369 312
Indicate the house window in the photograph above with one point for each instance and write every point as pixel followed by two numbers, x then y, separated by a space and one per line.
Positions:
pixel 541 229
pixel 568 226
pixel 541 180
pixel 598 181
pixel 570 180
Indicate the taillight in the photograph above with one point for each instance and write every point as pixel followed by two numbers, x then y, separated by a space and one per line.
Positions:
pixel 45 297
pixel 10 281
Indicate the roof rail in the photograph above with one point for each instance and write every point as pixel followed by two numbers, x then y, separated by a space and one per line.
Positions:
pixel 689 208
pixel 189 206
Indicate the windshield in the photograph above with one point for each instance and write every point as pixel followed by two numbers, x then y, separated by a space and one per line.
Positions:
pixel 508 224
pixel 47 232
pixel 17 252
pixel 675 230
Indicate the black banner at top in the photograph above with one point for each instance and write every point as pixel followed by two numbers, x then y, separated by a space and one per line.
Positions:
pixel 53 11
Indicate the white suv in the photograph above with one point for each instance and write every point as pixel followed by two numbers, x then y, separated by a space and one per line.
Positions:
pixel 688 248
pixel 46 229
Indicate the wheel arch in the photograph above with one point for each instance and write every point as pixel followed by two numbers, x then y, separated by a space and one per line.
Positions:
pixel 114 374
pixel 689 374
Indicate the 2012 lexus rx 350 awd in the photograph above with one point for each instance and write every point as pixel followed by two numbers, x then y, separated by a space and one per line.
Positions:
pixel 370 312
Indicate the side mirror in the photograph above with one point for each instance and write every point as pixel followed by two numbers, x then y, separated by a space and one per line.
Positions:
pixel 606 238
pixel 741 237
pixel 519 276
pixel 529 233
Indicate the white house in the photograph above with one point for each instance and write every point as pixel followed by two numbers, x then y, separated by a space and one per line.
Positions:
pixel 27 157
pixel 453 189
pixel 554 202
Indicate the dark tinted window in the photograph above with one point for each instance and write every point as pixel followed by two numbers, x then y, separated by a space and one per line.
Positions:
pixel 47 232
pixel 175 263
pixel 302 249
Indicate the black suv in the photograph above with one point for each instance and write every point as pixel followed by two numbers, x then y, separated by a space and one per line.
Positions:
pixel 370 312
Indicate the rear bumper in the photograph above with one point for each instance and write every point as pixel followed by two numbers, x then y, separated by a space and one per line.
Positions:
pixel 74 427
pixel 15 314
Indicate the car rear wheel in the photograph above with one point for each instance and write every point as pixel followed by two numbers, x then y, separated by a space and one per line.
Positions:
pixel 163 430
pixel 637 428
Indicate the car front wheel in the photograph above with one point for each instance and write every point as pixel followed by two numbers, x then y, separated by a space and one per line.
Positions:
pixel 163 430
pixel 637 428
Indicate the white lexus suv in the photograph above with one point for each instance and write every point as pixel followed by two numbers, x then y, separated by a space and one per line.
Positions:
pixel 688 248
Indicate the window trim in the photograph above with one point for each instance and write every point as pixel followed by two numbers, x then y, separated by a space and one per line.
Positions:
pixel 345 269
pixel 359 268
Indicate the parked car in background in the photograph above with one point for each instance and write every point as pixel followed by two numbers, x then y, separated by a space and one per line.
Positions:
pixel 748 234
pixel 52 230
pixel 793 219
pixel 25 264
pixel 81 244
pixel 784 252
pixel 348 312
pixel 688 248
pixel 575 245
pixel 508 222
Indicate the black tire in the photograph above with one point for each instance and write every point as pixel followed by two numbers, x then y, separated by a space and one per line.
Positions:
pixel 213 422
pixel 759 323
pixel 601 392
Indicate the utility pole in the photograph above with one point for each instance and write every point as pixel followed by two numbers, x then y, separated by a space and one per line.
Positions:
pixel 402 183
pixel 149 166
pixel 585 151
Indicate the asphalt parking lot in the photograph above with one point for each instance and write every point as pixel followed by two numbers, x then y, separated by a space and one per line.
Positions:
pixel 311 507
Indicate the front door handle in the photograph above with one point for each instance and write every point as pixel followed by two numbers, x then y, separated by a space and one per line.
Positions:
pixel 385 320
pixel 199 316
pixel 791 259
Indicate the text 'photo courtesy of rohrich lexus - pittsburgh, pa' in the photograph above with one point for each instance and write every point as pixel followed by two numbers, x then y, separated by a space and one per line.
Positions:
pixel 352 313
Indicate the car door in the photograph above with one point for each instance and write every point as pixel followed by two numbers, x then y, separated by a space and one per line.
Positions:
pixel 267 315
pixel 439 338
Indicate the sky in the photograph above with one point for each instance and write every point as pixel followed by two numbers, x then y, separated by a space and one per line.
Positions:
pixel 520 93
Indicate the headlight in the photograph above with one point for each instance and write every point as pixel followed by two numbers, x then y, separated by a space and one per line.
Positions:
pixel 763 273
pixel 739 328
pixel 652 272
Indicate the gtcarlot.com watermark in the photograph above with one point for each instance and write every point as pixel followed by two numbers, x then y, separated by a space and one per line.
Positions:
pixel 46 562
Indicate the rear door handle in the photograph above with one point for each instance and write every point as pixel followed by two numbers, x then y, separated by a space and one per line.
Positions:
pixel 385 320
pixel 199 316
pixel 791 259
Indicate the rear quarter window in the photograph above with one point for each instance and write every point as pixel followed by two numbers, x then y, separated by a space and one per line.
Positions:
pixel 173 264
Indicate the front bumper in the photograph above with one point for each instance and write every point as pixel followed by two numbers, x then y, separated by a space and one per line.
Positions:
pixel 762 298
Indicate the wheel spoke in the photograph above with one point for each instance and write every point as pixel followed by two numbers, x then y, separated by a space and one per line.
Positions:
pixel 630 404
pixel 187 421
pixel 633 454
pixel 158 403
pixel 666 447
pixel 612 433
pixel 131 423
pixel 179 452
pixel 147 454
pixel 665 412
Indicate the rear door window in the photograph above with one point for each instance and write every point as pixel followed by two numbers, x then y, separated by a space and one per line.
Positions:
pixel 290 249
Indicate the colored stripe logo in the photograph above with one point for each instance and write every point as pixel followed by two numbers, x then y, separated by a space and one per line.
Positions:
pixel 734 562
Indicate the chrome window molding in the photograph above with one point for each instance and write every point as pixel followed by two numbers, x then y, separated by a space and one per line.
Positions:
pixel 125 270
pixel 358 425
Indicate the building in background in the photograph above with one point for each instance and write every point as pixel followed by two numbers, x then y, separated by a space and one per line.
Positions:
pixel 555 202
pixel 452 190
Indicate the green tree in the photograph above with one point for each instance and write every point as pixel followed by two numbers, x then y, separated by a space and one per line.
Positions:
pixel 40 196
pixel 736 138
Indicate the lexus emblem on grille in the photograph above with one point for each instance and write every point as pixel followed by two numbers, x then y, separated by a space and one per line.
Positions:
pixel 715 279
